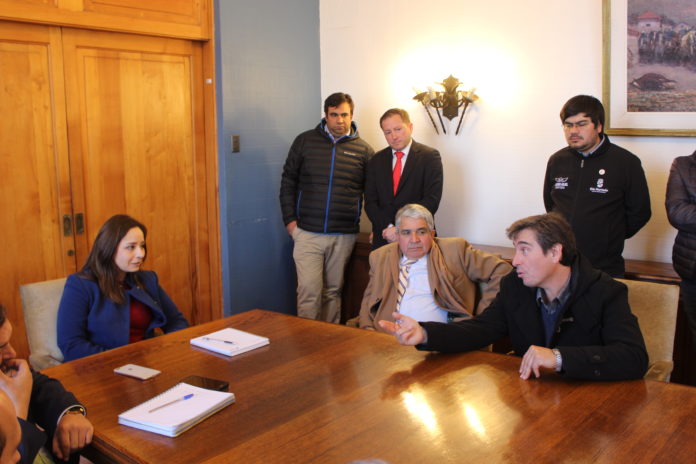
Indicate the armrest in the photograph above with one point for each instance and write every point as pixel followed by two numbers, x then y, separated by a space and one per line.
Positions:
pixel 659 370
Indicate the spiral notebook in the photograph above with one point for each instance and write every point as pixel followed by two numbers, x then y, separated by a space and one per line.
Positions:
pixel 230 342
pixel 176 410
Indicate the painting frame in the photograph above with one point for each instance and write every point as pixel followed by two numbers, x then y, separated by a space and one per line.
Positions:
pixel 618 120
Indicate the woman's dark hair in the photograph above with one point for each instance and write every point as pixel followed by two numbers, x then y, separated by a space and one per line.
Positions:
pixel 100 265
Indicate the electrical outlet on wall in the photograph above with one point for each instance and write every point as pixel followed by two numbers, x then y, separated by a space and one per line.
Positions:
pixel 235 144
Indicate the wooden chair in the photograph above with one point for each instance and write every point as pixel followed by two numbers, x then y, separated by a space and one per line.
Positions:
pixel 655 305
pixel 40 301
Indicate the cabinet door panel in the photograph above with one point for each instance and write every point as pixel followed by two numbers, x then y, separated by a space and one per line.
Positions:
pixel 187 19
pixel 34 192
pixel 136 148
pixel 175 11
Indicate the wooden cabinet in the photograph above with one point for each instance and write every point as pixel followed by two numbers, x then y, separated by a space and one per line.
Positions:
pixel 34 192
pixel 100 123
pixel 188 19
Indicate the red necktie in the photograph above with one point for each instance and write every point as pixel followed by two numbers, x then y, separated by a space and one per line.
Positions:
pixel 396 174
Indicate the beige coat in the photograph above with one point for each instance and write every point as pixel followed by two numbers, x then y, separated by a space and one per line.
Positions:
pixel 456 271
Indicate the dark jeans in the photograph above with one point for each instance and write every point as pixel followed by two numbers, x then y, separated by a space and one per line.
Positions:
pixel 688 296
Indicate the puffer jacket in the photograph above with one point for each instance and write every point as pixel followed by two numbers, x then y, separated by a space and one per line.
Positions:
pixel 680 202
pixel 323 181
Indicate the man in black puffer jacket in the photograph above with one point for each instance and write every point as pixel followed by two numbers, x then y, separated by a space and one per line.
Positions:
pixel 321 200
pixel 681 212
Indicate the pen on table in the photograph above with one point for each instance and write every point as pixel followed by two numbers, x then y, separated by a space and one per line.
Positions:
pixel 211 339
pixel 183 398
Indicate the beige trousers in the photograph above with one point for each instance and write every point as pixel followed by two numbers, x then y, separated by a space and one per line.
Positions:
pixel 320 260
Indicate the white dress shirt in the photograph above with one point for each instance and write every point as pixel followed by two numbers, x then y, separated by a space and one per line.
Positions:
pixel 418 301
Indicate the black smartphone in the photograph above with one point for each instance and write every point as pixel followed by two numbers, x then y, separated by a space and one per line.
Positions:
pixel 206 382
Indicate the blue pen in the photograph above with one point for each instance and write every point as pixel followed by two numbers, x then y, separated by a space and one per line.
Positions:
pixel 183 398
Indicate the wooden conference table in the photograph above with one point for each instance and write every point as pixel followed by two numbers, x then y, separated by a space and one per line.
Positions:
pixel 331 394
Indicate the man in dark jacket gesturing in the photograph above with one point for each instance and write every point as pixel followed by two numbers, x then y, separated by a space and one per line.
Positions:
pixel 321 200
pixel 560 314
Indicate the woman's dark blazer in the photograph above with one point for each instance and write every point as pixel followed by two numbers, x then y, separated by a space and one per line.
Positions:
pixel 89 322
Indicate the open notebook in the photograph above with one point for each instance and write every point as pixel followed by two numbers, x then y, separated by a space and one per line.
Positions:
pixel 176 410
pixel 230 341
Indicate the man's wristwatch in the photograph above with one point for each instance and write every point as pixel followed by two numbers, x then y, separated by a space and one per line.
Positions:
pixel 76 410
pixel 559 360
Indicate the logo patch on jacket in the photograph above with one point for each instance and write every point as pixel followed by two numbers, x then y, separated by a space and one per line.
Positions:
pixel 561 183
pixel 600 187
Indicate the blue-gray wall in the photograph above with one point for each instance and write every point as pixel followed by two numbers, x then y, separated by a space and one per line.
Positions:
pixel 268 87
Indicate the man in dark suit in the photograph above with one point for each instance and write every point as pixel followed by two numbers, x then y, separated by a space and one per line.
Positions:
pixel 559 312
pixel 40 401
pixel 404 172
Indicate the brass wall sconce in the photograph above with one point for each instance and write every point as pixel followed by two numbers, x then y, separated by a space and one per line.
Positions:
pixel 447 103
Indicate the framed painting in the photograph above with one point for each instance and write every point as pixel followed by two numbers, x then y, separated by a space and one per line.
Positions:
pixel 649 67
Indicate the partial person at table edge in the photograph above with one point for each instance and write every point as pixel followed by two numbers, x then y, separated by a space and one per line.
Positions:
pixel 429 278
pixel 560 313
pixel 111 302
pixel 51 419
pixel 680 202
pixel 10 431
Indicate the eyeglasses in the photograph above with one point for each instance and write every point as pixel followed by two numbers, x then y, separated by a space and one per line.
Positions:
pixel 580 124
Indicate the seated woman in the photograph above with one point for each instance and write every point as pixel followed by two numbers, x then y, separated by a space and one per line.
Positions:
pixel 111 302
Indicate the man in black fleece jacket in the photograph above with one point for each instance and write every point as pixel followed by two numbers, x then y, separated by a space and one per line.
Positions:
pixel 599 187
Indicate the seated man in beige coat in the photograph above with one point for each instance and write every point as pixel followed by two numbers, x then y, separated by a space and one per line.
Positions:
pixel 428 278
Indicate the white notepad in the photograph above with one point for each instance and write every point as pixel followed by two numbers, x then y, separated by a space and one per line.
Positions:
pixel 171 415
pixel 230 342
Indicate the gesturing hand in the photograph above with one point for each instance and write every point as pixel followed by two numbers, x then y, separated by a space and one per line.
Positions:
pixel 406 329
